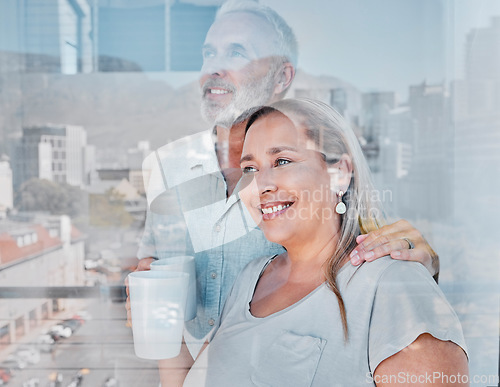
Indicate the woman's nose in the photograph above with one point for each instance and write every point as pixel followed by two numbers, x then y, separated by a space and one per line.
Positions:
pixel 266 181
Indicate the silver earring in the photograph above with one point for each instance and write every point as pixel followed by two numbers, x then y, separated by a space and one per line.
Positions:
pixel 340 208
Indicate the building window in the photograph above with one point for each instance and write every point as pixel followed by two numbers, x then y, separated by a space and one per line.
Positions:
pixel 4 336
pixel 20 326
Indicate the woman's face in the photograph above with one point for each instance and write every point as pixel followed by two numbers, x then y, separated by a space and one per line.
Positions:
pixel 286 184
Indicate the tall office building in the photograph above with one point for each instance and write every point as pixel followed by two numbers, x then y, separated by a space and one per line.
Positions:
pixel 432 152
pixel 395 162
pixel 482 53
pixel 476 115
pixel 53 36
pixel 156 36
pixel 52 152
pixel 375 110
pixel 6 194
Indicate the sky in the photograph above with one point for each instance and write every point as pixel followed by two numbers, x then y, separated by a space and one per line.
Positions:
pixel 383 45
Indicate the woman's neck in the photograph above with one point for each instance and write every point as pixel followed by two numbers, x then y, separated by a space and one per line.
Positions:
pixel 309 260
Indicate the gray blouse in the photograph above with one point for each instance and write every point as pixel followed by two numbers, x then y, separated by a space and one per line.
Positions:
pixel 389 303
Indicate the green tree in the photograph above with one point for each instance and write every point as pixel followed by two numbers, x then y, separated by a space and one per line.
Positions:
pixel 48 196
pixel 108 210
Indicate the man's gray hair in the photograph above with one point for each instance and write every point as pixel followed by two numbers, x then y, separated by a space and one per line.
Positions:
pixel 286 45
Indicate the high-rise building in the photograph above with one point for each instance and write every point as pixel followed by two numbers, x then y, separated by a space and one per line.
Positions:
pixel 482 52
pixel 375 110
pixel 156 36
pixel 476 118
pixel 395 162
pixel 432 158
pixel 6 192
pixel 53 152
pixel 54 36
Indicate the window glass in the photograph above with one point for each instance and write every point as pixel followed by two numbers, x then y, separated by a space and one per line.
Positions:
pixel 89 89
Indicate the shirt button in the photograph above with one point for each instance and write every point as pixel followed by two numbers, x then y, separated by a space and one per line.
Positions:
pixel 213 275
pixel 217 228
pixel 211 322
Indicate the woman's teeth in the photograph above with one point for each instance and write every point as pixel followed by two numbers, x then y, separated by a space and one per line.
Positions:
pixel 270 210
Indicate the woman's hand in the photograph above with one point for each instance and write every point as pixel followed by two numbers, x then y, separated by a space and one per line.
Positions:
pixel 390 240
pixel 426 361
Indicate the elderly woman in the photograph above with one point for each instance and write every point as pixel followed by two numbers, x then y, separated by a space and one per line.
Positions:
pixel 307 317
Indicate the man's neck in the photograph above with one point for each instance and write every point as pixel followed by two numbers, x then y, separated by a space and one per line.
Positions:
pixel 229 146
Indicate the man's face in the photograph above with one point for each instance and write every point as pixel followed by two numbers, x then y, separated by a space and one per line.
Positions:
pixel 239 70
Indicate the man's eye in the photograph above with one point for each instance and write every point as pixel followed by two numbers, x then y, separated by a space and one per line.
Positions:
pixel 248 169
pixel 236 54
pixel 280 162
pixel 208 54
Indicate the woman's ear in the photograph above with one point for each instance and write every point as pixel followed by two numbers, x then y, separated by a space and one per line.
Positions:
pixel 341 174
pixel 284 78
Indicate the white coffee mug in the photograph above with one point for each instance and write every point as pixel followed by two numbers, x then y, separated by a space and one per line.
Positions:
pixel 158 303
pixel 183 264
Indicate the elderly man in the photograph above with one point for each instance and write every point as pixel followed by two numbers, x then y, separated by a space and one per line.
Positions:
pixel 249 59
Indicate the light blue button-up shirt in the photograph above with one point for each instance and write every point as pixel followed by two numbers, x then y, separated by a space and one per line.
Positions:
pixel 189 214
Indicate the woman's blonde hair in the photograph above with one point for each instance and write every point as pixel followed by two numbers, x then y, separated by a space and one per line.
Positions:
pixel 334 138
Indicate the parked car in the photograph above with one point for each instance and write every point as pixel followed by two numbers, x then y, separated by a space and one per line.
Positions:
pixel 61 331
pixel 111 382
pixel 14 363
pixel 72 324
pixel 77 380
pixel 28 354
pixel 33 382
pixel 45 343
pixel 78 317
pixel 5 375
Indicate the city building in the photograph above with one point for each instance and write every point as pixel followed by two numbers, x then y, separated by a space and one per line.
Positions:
pixel 432 154
pixel 158 36
pixel 375 110
pixel 6 193
pixel 476 119
pixel 39 250
pixel 395 162
pixel 53 36
pixel 53 152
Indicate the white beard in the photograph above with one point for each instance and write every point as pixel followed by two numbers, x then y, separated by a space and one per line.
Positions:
pixel 252 93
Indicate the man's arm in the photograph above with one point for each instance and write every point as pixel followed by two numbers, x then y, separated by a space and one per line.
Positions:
pixel 389 240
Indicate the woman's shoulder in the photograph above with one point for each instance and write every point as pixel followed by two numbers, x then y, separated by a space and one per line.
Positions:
pixel 386 269
pixel 386 275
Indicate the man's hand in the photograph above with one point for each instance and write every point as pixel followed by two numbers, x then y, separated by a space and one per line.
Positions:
pixel 144 264
pixel 389 240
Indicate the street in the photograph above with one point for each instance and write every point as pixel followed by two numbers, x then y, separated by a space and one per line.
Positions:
pixel 100 349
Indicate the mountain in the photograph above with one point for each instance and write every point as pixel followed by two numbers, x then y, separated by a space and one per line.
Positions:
pixel 120 109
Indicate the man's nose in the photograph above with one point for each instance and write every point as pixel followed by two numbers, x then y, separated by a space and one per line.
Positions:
pixel 215 66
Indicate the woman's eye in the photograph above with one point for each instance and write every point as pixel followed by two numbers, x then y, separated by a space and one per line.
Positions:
pixel 248 169
pixel 280 162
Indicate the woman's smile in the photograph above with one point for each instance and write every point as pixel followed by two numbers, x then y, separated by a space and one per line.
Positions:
pixel 272 210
